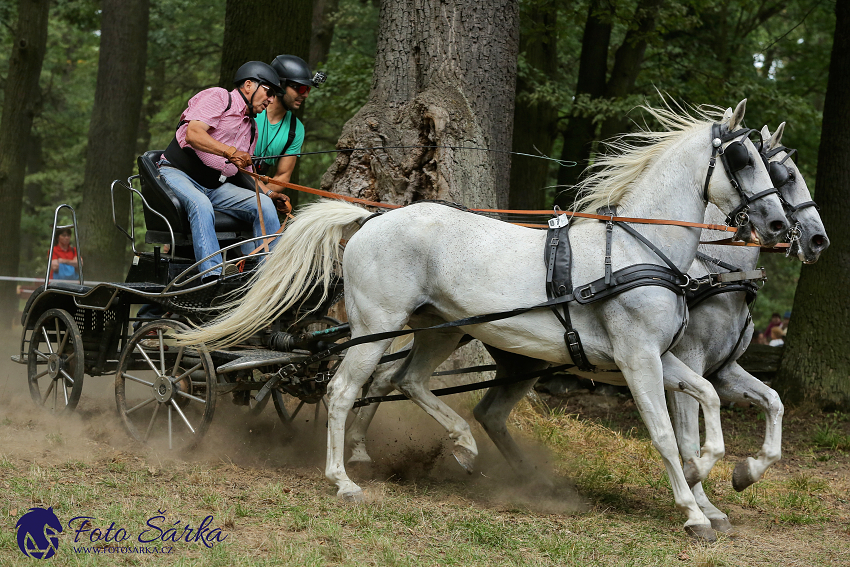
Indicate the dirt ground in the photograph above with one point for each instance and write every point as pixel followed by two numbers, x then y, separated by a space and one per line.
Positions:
pixel 412 457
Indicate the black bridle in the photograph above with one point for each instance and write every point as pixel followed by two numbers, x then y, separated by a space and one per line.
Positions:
pixel 734 158
pixel 781 175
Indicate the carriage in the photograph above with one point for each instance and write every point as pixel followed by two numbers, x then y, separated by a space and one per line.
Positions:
pixel 288 357
pixel 167 393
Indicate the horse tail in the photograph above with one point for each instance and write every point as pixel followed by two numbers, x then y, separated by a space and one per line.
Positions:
pixel 305 257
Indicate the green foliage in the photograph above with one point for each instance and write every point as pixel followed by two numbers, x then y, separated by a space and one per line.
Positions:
pixel 349 67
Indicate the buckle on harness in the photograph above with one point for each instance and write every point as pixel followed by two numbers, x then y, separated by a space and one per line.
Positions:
pixel 571 338
pixel 586 292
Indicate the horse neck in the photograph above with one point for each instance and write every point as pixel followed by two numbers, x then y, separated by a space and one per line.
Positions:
pixel 744 257
pixel 671 188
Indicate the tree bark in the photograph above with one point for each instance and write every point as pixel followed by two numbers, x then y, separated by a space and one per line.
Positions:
pixel 19 107
pixel 816 363
pixel 444 75
pixel 535 122
pixel 322 31
pixel 256 31
pixel 592 71
pixel 112 136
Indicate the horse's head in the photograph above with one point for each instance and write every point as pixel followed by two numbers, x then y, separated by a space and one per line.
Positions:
pixel 806 233
pixel 745 193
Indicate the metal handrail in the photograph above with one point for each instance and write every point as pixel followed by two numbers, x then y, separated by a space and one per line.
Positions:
pixel 129 186
pixel 53 236
pixel 225 262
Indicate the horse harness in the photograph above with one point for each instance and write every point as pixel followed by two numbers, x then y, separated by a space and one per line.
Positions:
pixel 557 254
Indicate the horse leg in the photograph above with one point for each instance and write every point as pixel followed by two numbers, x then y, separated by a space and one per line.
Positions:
pixel 644 374
pixel 429 350
pixel 358 364
pixel 493 409
pixel 355 436
pixel 737 385
pixel 684 411
pixel 678 377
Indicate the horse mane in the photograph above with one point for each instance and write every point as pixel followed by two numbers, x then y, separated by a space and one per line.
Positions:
pixel 613 174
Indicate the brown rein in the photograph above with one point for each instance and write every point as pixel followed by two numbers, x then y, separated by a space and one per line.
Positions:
pixel 720 227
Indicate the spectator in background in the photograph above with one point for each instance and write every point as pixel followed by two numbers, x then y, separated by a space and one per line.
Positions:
pixel 775 321
pixel 777 336
pixel 64 263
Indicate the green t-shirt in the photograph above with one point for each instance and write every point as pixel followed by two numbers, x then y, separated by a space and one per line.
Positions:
pixel 271 138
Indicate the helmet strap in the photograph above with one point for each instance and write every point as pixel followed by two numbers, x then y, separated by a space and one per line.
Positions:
pixel 249 103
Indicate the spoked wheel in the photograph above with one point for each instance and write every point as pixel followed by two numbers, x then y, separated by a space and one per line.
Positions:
pixel 164 392
pixel 289 407
pixel 56 362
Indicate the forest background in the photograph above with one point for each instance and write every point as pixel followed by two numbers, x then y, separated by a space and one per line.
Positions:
pixel 583 69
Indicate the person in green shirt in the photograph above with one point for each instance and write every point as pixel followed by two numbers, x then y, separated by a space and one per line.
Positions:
pixel 279 132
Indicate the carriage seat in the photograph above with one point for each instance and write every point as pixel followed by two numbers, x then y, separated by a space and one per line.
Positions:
pixel 160 197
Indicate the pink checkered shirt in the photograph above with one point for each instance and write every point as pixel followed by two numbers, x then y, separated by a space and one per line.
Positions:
pixel 232 127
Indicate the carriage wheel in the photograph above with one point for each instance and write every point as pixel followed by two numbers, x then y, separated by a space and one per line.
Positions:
pixel 56 362
pixel 289 407
pixel 164 392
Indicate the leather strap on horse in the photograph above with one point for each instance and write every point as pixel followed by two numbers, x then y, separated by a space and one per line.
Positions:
pixel 268 180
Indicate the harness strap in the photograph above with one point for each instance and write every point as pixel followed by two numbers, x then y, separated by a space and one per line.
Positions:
pixel 728 359
pixel 466 388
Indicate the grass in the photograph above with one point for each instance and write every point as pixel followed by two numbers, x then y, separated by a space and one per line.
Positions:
pixel 281 514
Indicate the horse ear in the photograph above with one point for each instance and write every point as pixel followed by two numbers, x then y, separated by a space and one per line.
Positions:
pixel 777 136
pixel 765 135
pixel 727 115
pixel 738 116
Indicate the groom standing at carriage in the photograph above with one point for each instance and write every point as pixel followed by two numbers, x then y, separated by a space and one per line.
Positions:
pixel 217 134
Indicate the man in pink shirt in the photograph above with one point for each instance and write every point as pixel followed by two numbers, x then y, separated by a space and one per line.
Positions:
pixel 216 134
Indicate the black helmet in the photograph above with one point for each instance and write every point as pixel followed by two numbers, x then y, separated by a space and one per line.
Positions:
pixel 294 69
pixel 259 72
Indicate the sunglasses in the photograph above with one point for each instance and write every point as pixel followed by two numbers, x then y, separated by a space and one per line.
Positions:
pixel 269 88
pixel 300 89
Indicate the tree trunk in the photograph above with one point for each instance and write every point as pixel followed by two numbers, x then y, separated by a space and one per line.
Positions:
pixel 258 31
pixel 628 61
pixel 19 107
pixel 816 363
pixel 535 122
pixel 444 75
pixel 592 71
pixel 322 31
pixel 112 136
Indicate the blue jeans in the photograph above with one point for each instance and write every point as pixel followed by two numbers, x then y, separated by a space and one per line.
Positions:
pixel 200 203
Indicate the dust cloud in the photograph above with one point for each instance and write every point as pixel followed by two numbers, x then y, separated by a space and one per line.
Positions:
pixel 406 445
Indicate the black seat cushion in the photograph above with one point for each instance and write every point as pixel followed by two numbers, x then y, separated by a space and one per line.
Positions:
pixel 162 199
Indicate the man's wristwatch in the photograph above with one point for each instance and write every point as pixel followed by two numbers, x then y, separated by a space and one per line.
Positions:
pixel 269 193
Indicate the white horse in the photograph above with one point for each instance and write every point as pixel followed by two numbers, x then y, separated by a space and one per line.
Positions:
pixel 721 329
pixel 428 263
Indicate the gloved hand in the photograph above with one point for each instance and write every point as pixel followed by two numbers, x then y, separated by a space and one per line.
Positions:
pixel 239 158
pixel 281 202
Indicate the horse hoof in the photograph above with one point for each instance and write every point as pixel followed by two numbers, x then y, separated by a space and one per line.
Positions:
pixel 356 496
pixel 724 526
pixel 701 533
pixel 691 474
pixel 465 458
pixel 741 477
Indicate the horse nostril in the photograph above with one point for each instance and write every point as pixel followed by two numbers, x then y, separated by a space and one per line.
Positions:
pixel 778 226
pixel 818 241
